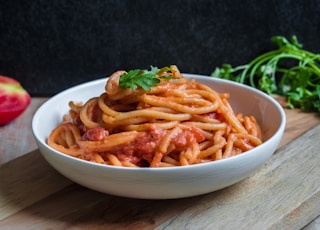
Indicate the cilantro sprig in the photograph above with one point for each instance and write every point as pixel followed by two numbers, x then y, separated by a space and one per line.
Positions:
pixel 143 78
pixel 288 71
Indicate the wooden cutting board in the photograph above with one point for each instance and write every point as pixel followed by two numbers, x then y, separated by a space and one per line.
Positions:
pixel 283 194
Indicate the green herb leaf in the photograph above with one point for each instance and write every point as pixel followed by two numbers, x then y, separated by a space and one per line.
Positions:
pixel 289 71
pixel 142 78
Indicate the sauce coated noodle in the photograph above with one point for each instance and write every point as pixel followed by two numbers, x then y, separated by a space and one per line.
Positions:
pixel 178 122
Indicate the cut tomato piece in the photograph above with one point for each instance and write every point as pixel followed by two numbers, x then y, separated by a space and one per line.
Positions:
pixel 14 99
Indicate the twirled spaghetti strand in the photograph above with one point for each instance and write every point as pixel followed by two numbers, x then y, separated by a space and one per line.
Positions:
pixel 177 122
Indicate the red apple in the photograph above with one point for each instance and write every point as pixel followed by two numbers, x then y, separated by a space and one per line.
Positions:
pixel 14 99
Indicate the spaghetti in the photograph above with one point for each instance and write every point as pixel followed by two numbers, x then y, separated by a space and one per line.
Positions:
pixel 176 122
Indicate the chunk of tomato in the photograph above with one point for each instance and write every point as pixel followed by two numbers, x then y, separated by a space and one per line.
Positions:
pixel 14 99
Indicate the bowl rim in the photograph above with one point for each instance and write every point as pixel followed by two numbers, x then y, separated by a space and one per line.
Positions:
pixel 278 132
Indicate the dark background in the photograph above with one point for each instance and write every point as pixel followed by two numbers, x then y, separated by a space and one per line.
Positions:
pixel 52 45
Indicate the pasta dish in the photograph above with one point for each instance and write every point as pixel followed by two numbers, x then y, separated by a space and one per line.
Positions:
pixel 155 118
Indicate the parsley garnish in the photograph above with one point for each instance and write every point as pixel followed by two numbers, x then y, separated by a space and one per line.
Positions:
pixel 142 78
pixel 288 71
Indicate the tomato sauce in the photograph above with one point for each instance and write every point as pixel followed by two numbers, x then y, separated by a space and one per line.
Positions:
pixel 95 134
pixel 143 148
pixel 187 138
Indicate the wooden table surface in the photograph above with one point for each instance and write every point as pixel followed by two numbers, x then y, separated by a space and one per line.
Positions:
pixel 283 194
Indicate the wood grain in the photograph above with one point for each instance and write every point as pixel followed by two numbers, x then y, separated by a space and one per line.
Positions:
pixel 283 194
pixel 298 122
pixel 25 181
pixel 17 137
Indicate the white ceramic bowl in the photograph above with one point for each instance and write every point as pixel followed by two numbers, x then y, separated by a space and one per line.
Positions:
pixel 163 183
